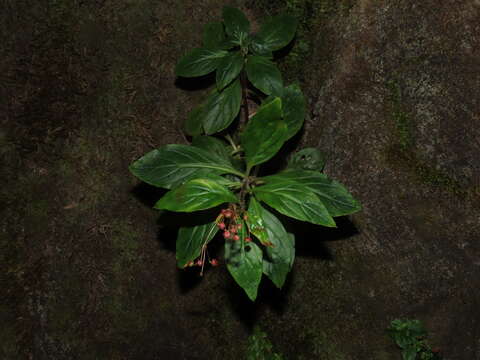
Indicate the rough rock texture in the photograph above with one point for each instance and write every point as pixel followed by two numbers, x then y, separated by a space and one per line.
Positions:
pixel 89 270
pixel 396 110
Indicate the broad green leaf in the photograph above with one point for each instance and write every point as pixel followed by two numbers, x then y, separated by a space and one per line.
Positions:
pixel 236 23
pixel 213 35
pixel 268 100
pixel 336 198
pixel 226 180
pixel 416 328
pixel 193 124
pixel 281 250
pixel 244 262
pixel 221 108
pixel 277 32
pixel 228 69
pixel 294 107
pixel 403 340
pixel 307 159
pixel 277 268
pixel 264 134
pixel 257 47
pixel 172 165
pixel 199 62
pixel 190 241
pixel 409 353
pixel 294 199
pixel 255 221
pixel 228 44
pixel 264 75
pixel 194 195
pixel 213 145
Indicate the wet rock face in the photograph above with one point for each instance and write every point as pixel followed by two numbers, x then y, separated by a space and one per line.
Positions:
pixel 398 115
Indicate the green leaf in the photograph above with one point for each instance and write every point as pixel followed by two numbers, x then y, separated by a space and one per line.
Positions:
pixel 199 62
pixel 257 47
pixel 213 35
pixel 236 23
pixel 194 195
pixel 307 159
pixel 294 108
pixel 275 264
pixel 244 262
pixel 336 198
pixel 264 75
pixel 228 69
pixel 221 108
pixel 268 100
pixel 255 221
pixel 264 134
pixel 226 180
pixel 193 124
pixel 404 341
pixel 294 199
pixel 213 145
pixel 416 328
pixel 190 241
pixel 281 252
pixel 410 353
pixel 172 165
pixel 277 32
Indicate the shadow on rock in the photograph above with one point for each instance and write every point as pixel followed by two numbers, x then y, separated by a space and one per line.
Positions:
pixel 147 194
pixel 196 83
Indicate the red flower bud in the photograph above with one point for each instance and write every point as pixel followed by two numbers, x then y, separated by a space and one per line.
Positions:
pixel 214 262
pixel 236 237
pixel 221 225
pixel 248 239
pixel 227 234
pixel 199 262
pixel 228 213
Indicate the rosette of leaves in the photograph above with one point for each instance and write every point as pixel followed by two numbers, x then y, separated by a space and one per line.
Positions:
pixel 410 336
pixel 220 166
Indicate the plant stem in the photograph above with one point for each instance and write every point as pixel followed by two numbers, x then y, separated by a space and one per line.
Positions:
pixel 243 193
pixel 232 144
pixel 243 190
pixel 243 82
pixel 241 127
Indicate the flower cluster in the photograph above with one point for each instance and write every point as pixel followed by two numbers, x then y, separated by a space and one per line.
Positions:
pixel 229 222
pixel 200 262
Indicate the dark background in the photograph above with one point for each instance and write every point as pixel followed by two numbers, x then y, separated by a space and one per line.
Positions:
pixel 88 268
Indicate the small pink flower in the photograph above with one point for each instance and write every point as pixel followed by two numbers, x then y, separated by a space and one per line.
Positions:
pixel 214 262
